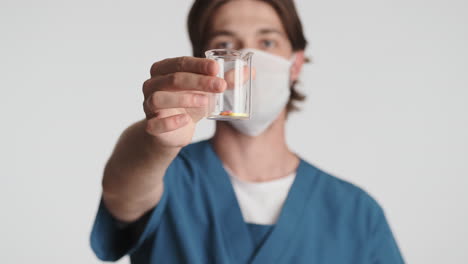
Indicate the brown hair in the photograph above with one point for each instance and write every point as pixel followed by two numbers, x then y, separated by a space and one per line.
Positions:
pixel 200 15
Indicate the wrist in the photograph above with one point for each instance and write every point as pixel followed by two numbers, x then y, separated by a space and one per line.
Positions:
pixel 154 147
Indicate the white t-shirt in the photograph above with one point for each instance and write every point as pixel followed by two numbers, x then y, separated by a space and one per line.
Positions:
pixel 261 202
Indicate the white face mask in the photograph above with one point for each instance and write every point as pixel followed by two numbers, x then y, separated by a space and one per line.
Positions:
pixel 270 92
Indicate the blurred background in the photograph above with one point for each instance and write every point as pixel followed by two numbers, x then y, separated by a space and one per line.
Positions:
pixel 387 109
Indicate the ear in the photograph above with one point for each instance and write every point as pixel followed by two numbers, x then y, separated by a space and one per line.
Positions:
pixel 297 65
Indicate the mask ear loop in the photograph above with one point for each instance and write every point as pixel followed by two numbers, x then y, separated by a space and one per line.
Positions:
pixel 292 60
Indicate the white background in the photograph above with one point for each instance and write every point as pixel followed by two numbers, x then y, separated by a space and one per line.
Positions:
pixel 387 109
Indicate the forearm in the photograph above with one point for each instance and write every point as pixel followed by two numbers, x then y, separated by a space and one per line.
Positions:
pixel 133 177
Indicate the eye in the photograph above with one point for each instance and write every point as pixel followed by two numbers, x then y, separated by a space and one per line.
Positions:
pixel 268 44
pixel 224 45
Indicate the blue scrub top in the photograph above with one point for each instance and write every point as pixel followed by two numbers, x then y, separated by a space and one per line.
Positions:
pixel 198 220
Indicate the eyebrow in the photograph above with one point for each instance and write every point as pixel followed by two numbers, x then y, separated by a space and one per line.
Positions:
pixel 268 31
pixel 228 33
pixel 221 33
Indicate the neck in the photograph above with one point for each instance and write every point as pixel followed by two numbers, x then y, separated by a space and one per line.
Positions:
pixel 261 158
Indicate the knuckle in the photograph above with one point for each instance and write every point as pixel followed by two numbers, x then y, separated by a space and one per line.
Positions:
pixel 166 124
pixel 172 123
pixel 149 128
pixel 146 86
pixel 185 100
pixel 154 68
pixel 181 63
pixel 146 107
pixel 175 78
pixel 155 100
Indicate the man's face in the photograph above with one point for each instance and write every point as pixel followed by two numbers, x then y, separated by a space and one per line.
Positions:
pixel 249 24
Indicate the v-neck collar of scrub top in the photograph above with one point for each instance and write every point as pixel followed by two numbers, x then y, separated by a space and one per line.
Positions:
pixel 236 234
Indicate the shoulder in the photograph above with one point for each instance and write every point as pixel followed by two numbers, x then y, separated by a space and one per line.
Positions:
pixel 350 214
pixel 344 206
pixel 341 196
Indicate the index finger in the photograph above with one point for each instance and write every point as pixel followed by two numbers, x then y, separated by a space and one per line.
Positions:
pixel 185 64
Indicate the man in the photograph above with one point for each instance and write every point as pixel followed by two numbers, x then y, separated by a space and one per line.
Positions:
pixel 242 196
